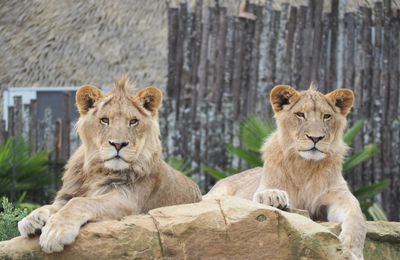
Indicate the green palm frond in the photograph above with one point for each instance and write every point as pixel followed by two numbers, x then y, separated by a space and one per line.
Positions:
pixel 357 159
pixel 376 213
pixel 252 158
pixel 352 133
pixel 367 193
pixel 29 169
pixel 180 165
pixel 217 174
pixel 254 131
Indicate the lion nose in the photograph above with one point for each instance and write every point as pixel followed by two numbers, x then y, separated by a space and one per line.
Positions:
pixel 118 145
pixel 315 139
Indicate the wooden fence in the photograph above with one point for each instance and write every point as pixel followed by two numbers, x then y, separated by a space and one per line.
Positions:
pixel 221 68
pixel 55 135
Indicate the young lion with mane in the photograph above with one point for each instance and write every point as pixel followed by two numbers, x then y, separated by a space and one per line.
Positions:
pixel 303 163
pixel 117 171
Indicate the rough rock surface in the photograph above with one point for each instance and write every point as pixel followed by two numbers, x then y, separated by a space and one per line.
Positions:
pixel 229 228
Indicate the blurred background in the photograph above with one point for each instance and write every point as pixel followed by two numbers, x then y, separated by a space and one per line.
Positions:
pixel 216 61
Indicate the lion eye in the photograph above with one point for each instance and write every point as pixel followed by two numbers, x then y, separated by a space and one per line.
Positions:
pixel 300 115
pixel 327 116
pixel 104 120
pixel 133 122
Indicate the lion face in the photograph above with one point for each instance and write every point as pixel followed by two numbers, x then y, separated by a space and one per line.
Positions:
pixel 311 124
pixel 119 130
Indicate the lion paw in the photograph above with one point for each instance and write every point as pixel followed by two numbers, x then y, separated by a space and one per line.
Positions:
pixel 272 197
pixel 56 234
pixel 34 222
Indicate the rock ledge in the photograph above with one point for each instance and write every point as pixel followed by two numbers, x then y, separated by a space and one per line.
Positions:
pixel 229 228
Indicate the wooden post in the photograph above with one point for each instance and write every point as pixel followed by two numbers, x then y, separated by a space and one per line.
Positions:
pixel 10 121
pixel 66 129
pixel 3 134
pixel 18 116
pixel 33 125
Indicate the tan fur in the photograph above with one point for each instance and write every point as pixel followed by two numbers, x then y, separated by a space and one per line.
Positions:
pixel 297 176
pixel 97 185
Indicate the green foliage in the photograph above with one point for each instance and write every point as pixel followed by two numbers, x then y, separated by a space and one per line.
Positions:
pixel 183 166
pixel 352 133
pixel 180 165
pixel 366 196
pixel 27 169
pixel 254 131
pixel 9 218
pixel 360 157
pixel 252 158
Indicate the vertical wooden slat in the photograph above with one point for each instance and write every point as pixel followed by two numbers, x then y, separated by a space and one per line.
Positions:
pixel 246 88
pixel 376 82
pixel 3 133
pixel 172 41
pixel 367 100
pixel 218 89
pixel 334 27
pixel 317 38
pixel 66 128
pixel 322 71
pixel 255 62
pixel 384 93
pixel 33 125
pixel 392 111
pixel 10 121
pixel 18 124
pixel 238 62
pixel 281 66
pixel 307 51
pixel 299 43
pixel 290 39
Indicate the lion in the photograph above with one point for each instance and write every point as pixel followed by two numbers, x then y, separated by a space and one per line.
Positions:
pixel 117 170
pixel 303 163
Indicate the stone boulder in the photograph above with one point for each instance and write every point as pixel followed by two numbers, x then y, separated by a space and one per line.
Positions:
pixel 229 228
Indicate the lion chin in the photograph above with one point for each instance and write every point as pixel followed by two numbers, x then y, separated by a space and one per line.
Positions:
pixel 116 164
pixel 314 155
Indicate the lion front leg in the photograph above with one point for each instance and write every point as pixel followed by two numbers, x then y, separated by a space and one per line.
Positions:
pixel 33 223
pixel 63 227
pixel 345 209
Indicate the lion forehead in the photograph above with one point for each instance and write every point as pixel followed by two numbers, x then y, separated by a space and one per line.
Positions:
pixel 313 102
pixel 119 108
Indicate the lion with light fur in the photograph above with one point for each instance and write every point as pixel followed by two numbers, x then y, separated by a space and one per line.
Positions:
pixel 303 163
pixel 117 171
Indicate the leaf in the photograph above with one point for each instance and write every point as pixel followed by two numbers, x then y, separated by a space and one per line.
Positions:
pixel 364 155
pixel 217 174
pixel 377 213
pixel 367 193
pixel 253 159
pixel 254 131
pixel 28 169
pixel 352 133
pixel 180 165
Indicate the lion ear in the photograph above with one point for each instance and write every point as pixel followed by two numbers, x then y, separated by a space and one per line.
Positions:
pixel 86 96
pixel 151 99
pixel 282 95
pixel 343 99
